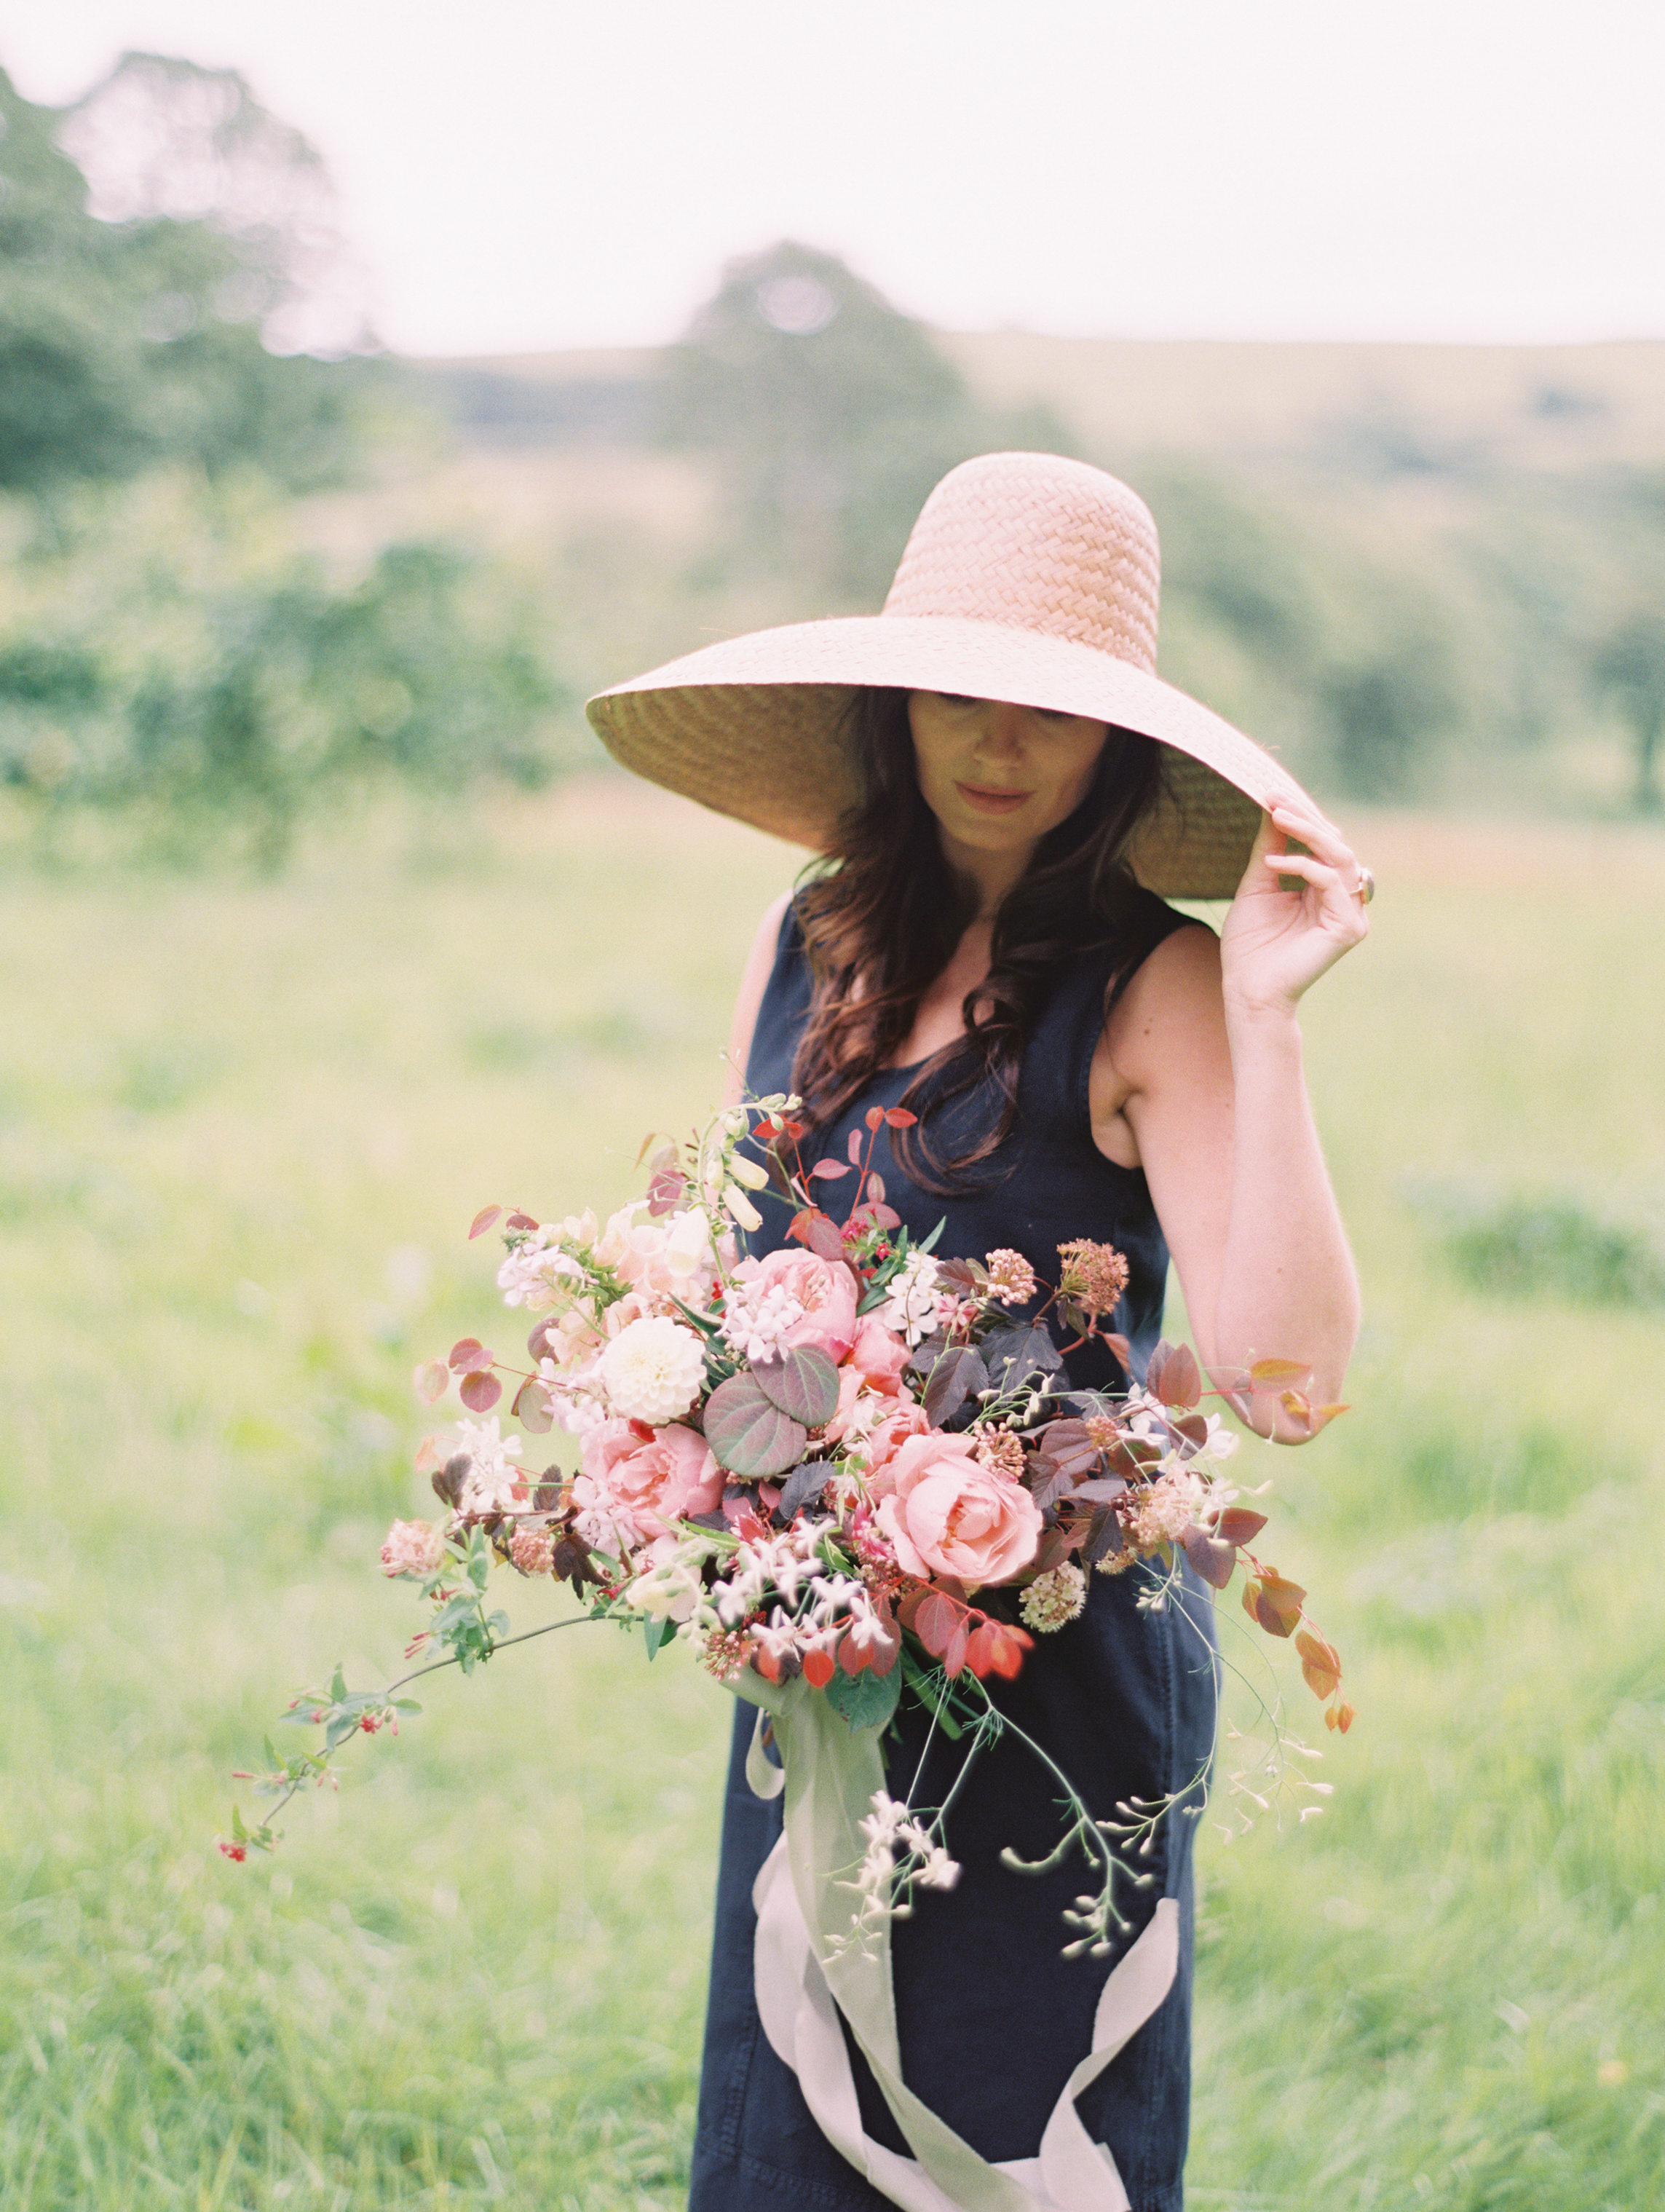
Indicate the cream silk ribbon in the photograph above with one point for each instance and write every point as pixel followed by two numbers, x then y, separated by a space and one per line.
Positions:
pixel 808 1971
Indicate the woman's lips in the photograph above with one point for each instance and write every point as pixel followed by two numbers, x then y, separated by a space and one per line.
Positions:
pixel 985 801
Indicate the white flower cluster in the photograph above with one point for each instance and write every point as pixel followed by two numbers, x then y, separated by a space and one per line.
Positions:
pixel 892 1832
pixel 911 1299
pixel 1054 1598
pixel 757 1317
pixel 489 1485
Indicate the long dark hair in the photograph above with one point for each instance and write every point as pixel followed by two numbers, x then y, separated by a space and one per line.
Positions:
pixel 883 913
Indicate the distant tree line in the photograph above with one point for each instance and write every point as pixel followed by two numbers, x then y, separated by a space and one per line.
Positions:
pixel 166 254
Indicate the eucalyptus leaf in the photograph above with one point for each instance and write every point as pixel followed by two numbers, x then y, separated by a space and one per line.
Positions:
pixel 866 1699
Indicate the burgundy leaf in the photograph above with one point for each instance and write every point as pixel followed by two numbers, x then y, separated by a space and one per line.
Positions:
pixel 467 1353
pixel 1212 1559
pixel 480 1391
pixel 482 1221
pixel 802 1383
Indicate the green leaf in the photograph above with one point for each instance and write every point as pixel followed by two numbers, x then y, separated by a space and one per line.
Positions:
pixel 802 1383
pixel 866 1699
pixel 656 1633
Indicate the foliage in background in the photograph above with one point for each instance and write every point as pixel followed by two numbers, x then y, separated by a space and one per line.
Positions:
pixel 132 342
pixel 169 651
pixel 829 416
pixel 165 652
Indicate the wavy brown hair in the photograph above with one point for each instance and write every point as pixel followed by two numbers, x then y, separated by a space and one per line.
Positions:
pixel 882 918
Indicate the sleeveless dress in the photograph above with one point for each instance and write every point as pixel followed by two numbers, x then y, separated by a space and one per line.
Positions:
pixel 992 2018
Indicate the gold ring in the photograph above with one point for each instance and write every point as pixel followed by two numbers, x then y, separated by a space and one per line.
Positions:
pixel 1364 890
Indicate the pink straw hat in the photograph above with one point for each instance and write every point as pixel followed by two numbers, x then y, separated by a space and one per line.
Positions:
pixel 1027 578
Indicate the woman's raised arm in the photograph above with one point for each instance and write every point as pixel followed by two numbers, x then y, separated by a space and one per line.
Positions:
pixel 1206 1046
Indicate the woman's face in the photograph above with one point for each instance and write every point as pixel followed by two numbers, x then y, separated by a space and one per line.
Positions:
pixel 998 777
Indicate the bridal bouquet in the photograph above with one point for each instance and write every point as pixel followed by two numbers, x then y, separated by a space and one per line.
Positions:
pixel 853 1465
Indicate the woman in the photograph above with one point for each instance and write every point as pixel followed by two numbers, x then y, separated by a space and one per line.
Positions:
pixel 988 950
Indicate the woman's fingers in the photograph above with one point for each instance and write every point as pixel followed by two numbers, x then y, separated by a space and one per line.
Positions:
pixel 1327 843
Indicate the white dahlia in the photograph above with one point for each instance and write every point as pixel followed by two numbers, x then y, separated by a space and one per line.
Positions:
pixel 652 1371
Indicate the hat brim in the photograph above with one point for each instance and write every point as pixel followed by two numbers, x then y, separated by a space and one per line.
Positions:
pixel 752 727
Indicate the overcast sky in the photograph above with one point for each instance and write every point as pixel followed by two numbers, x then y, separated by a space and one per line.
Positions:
pixel 524 174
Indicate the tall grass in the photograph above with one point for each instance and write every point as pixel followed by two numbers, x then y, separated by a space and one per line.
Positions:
pixel 242 1130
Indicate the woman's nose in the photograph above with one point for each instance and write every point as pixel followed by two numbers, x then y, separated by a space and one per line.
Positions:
pixel 1001 736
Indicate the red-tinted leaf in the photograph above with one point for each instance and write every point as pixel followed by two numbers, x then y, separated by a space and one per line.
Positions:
pixel 1174 1376
pixel 537 1343
pixel 1119 1349
pixel 433 1380
pixel 935 1619
pixel 875 1114
pixel 1320 1663
pixel 875 1189
pixel 799 1229
pixel 480 1391
pixel 1344 1716
pixel 468 1353
pixel 1000 1647
pixel 854 1148
pixel 829 1170
pixel 899 1117
pixel 748 1433
pixel 854 1656
pixel 1237 1525
pixel 803 1382
pixel 482 1221
pixel 1194 1427
pixel 817 1668
pixel 531 1409
pixel 1273 1603
pixel 955 1377
pixel 1213 1560
pixel 953 1660
pixel 823 1238
pixel 1051 1551
pixel 887 1648
pixel 522 1221
pixel 885 1217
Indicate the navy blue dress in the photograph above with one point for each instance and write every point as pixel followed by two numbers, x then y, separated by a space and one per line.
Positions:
pixel 992 2018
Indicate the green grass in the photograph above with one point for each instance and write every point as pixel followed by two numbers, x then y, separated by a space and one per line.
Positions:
pixel 242 1129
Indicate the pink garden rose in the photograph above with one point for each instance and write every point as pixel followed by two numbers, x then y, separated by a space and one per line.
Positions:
pixel 879 1355
pixel 884 1440
pixel 826 1290
pixel 946 1514
pixel 646 1480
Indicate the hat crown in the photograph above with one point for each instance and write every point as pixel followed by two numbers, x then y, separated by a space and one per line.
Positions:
pixel 1034 542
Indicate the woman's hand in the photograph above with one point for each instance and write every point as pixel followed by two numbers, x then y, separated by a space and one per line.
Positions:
pixel 1277 943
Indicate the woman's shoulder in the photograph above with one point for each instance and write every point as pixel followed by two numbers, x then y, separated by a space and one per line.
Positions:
pixel 1174 988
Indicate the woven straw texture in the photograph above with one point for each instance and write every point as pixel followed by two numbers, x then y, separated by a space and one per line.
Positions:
pixel 1027 578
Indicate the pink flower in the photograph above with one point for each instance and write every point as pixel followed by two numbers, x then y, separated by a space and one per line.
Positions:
pixel 826 1290
pixel 946 1514
pixel 644 1480
pixel 879 1355
pixel 413 1547
pixel 885 1440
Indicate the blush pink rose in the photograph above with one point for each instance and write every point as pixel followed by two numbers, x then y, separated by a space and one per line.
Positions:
pixel 885 1440
pixel 946 1514
pixel 826 1291
pixel 879 1355
pixel 648 1479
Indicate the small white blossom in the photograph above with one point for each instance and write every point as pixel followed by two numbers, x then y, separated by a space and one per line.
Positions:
pixel 910 1301
pixel 652 1371
pixel 757 1317
pixel 1051 1599
pixel 489 1485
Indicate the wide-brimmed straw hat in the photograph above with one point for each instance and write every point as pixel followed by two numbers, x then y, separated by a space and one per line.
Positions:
pixel 1027 578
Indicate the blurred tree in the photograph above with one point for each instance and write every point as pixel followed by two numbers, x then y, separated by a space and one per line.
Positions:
pixel 136 339
pixel 831 415
pixel 167 654
pixel 1628 666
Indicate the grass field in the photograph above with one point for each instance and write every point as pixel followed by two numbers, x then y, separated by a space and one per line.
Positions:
pixel 242 1129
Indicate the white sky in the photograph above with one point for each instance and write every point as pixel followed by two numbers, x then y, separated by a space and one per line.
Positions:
pixel 522 174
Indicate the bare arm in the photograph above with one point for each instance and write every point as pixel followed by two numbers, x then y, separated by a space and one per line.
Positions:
pixel 1199 1081
pixel 754 978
